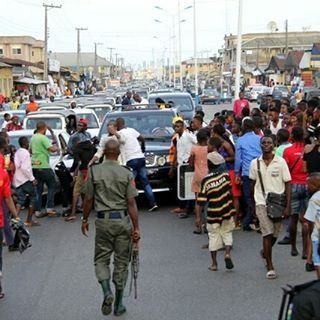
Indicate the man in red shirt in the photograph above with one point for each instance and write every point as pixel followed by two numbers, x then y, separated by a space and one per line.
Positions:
pixel 5 195
pixel 239 104
pixel 14 125
pixel 299 201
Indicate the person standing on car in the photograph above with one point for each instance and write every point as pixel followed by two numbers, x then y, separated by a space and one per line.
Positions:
pixel 32 106
pixel 82 134
pixel 127 100
pixel 111 188
pixel 14 124
pixel 239 104
pixel 133 154
pixel 41 147
pixel 275 176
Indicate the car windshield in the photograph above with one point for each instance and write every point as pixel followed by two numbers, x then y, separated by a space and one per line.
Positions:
pixel 181 103
pixel 53 123
pixel 92 121
pixel 143 94
pixel 210 92
pixel 280 89
pixel 151 125
pixel 101 112
pixel 14 140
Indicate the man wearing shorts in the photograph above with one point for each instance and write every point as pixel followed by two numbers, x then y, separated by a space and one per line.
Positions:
pixel 276 178
pixel 313 217
pixel 216 192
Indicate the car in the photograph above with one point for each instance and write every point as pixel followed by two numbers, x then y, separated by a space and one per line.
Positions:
pixel 255 91
pixel 56 119
pixel 93 121
pixel 100 110
pixel 309 93
pixel 55 158
pixel 20 113
pixel 210 96
pixel 182 102
pixel 156 127
pixel 279 92
pixel 262 96
pixel 52 107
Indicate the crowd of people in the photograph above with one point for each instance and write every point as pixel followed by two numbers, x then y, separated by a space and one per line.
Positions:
pixel 252 155
pixel 240 160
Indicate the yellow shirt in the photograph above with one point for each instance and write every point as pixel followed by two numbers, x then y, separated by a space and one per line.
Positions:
pixel 14 105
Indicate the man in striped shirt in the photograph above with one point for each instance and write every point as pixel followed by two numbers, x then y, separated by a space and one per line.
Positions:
pixel 216 191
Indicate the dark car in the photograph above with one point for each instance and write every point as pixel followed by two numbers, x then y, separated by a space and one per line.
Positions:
pixel 279 92
pixel 181 101
pixel 156 127
pixel 210 96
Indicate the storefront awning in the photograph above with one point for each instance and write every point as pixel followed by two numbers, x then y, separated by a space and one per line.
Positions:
pixel 26 80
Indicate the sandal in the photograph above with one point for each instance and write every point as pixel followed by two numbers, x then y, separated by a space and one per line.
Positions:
pixel 178 210
pixel 205 246
pixel 70 219
pixel 40 215
pixel 271 275
pixel 197 231
pixel 213 268
pixel 30 224
pixel 183 215
pixel 52 214
pixel 229 263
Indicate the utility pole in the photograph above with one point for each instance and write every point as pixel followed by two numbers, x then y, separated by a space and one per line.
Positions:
pixel 258 52
pixel 78 46
pixel 195 47
pixel 96 44
pixel 286 28
pixel 110 49
pixel 45 55
pixel 239 49
pixel 180 45
pixel 117 61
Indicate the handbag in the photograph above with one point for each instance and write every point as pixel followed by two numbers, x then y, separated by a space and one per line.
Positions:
pixel 275 202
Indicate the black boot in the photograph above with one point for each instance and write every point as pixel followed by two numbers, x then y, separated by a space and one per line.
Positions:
pixel 106 307
pixel 119 308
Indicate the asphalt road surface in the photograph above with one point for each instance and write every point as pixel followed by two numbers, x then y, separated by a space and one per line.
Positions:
pixel 55 280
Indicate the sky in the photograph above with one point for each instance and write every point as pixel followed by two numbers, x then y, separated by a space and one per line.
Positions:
pixel 129 26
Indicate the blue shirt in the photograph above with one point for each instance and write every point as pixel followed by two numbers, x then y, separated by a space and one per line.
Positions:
pixel 247 149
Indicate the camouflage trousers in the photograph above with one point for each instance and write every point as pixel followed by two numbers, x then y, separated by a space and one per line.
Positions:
pixel 113 236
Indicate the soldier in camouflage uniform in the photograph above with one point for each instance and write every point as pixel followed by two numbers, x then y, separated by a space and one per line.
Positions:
pixel 110 187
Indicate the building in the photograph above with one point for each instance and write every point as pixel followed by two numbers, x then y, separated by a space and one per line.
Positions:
pixel 259 48
pixel 87 62
pixel 207 68
pixel 22 47
pixel 6 79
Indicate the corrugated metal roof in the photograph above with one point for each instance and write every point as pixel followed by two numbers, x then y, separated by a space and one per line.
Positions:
pixel 69 59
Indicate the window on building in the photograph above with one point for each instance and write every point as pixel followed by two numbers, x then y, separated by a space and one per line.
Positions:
pixel 32 53
pixel 16 50
pixel 1 51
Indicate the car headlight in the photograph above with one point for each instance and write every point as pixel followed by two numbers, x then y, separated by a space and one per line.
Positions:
pixel 161 161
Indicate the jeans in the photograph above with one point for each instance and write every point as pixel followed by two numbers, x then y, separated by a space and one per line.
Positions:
pixel 139 171
pixel 248 212
pixel 7 231
pixel 44 176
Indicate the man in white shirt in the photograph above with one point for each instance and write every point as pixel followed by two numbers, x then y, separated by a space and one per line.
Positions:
pixel 133 155
pixel 24 180
pixel 275 176
pixel 7 120
pixel 139 100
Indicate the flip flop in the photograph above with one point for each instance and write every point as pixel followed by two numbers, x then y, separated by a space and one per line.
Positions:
pixel 229 263
pixel 213 268
pixel 271 275
pixel 70 219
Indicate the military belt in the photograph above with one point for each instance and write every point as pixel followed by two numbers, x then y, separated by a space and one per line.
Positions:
pixel 112 215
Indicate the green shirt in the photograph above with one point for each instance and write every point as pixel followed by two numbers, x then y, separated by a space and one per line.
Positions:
pixel 39 146
pixel 280 150
pixel 110 185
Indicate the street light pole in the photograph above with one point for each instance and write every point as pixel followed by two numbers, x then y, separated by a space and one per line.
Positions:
pixel 180 58
pixel 239 49
pixel 195 47
pixel 78 46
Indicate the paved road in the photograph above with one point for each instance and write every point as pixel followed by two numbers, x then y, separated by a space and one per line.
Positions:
pixel 54 280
